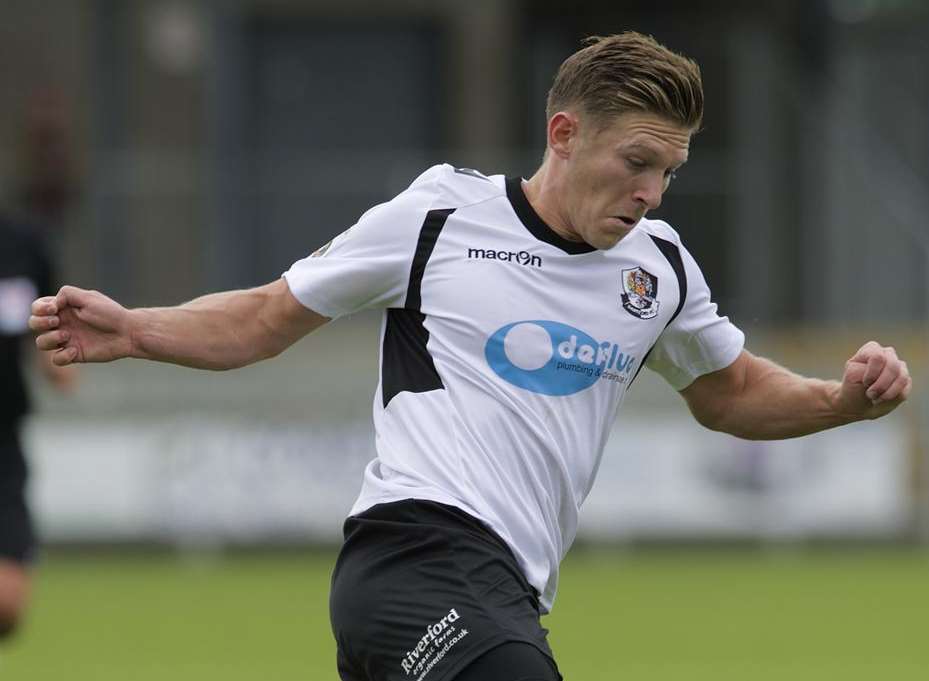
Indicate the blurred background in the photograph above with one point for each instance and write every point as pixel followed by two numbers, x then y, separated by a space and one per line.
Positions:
pixel 171 148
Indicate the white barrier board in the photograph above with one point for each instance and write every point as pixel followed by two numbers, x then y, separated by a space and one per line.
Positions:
pixel 209 480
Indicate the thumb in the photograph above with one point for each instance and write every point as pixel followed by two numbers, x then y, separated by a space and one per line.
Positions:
pixel 855 371
pixel 866 351
pixel 71 296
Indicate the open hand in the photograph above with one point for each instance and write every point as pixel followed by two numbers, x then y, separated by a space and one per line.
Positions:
pixel 875 383
pixel 81 326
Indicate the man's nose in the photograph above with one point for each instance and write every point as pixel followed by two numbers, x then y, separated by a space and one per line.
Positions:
pixel 649 192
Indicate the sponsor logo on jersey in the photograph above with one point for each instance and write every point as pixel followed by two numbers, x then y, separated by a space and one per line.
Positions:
pixel 433 646
pixel 524 258
pixel 640 293
pixel 551 358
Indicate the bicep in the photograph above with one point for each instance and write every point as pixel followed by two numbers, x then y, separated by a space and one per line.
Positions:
pixel 698 341
pixel 709 396
pixel 285 318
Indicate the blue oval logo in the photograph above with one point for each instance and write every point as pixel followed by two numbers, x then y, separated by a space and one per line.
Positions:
pixel 551 358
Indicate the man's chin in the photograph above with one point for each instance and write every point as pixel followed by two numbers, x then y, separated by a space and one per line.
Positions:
pixel 608 240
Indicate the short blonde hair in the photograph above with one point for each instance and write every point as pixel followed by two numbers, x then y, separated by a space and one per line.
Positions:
pixel 629 72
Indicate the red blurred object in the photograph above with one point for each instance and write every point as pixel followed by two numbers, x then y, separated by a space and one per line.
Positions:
pixel 47 183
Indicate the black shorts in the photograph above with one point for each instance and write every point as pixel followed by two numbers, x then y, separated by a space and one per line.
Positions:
pixel 421 590
pixel 17 539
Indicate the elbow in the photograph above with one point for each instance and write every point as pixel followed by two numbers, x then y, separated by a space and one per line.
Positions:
pixel 269 352
pixel 710 416
pixel 730 422
pixel 725 418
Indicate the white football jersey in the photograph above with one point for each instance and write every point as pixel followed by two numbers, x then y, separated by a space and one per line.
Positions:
pixel 506 350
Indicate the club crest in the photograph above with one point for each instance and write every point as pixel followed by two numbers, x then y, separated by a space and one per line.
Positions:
pixel 640 293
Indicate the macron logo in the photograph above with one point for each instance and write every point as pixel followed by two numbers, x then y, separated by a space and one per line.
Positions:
pixel 524 258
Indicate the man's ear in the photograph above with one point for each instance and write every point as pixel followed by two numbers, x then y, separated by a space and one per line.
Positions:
pixel 563 131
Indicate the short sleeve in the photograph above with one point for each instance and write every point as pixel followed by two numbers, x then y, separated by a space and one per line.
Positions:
pixel 699 340
pixel 368 265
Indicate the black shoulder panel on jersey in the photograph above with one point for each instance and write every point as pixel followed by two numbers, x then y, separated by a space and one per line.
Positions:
pixel 428 235
pixel 670 251
pixel 405 361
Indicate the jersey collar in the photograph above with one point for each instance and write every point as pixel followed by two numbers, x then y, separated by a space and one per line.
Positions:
pixel 535 224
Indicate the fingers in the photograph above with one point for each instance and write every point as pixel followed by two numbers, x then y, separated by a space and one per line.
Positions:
pixel 47 319
pixel 44 315
pixel 877 362
pixel 40 323
pixel 882 373
pixel 867 363
pixel 64 357
pixel 44 318
pixel 899 389
pixel 905 393
pixel 67 296
pixel 45 306
pixel 866 351
pixel 854 371
pixel 72 296
pixel 61 354
pixel 52 340
pixel 46 311
pixel 885 376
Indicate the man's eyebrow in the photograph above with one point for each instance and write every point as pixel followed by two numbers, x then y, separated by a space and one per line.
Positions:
pixel 652 151
pixel 640 145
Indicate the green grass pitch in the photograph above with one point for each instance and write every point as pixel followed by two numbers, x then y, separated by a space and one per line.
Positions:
pixel 644 615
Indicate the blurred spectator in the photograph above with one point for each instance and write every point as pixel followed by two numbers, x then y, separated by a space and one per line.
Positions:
pixel 26 270
pixel 47 183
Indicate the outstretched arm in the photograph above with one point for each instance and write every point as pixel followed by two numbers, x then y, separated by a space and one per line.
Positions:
pixel 756 399
pixel 218 331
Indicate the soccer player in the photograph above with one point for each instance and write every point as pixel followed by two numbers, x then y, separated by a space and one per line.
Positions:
pixel 25 272
pixel 517 315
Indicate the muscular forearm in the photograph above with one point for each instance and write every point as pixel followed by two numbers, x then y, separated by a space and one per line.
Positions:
pixel 756 399
pixel 775 404
pixel 218 331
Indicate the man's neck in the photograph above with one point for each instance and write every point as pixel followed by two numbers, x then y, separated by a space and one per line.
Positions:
pixel 543 192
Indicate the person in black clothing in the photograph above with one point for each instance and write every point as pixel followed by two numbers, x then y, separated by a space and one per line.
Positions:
pixel 25 270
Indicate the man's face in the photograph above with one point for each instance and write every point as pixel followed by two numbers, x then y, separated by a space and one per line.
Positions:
pixel 615 174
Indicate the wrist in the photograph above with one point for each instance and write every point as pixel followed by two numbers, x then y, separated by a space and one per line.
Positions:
pixel 135 323
pixel 839 406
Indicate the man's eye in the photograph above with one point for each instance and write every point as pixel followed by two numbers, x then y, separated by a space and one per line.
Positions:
pixel 636 163
pixel 670 175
